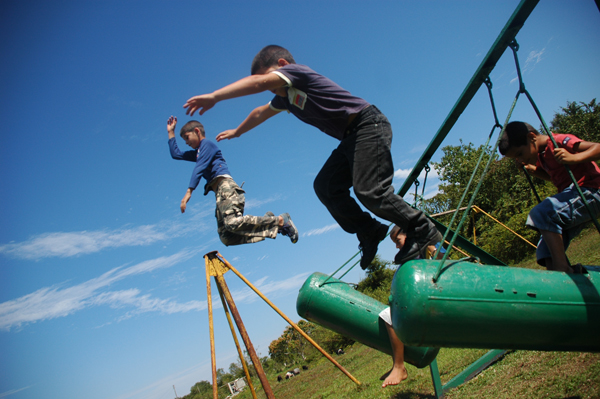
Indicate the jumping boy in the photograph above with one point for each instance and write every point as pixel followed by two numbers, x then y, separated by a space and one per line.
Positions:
pixel 233 226
pixel 561 217
pixel 362 160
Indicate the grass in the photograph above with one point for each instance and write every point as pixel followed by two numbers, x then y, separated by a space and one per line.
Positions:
pixel 519 374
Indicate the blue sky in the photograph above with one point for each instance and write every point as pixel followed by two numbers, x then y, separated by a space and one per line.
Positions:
pixel 102 278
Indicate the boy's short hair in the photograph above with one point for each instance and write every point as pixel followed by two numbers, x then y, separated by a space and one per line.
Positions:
pixel 268 56
pixel 396 229
pixel 190 126
pixel 515 135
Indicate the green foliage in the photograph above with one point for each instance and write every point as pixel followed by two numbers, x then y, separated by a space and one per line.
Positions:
pixel 291 348
pixel 200 390
pixel 505 192
pixel 579 119
pixel 378 281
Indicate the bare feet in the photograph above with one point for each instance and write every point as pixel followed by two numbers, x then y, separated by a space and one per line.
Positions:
pixel 383 377
pixel 395 376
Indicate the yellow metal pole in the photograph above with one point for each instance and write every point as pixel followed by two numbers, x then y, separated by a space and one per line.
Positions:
pixel 474 230
pixel 237 343
pixel 298 329
pixel 212 332
pixel 478 209
pixel 249 347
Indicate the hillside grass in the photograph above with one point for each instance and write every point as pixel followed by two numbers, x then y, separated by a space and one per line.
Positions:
pixel 519 374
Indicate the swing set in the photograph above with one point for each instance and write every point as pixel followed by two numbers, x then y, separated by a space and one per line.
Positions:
pixel 475 302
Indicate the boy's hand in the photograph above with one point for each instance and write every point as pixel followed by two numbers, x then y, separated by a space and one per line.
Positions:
pixel 171 123
pixel 227 135
pixel 185 200
pixel 199 103
pixel 565 157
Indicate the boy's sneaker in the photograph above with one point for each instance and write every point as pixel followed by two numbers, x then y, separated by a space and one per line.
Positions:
pixel 368 248
pixel 289 228
pixel 415 248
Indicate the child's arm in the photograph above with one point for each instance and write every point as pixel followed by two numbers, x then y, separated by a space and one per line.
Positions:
pixel 186 198
pixel 540 173
pixel 585 151
pixel 256 117
pixel 249 85
pixel 171 123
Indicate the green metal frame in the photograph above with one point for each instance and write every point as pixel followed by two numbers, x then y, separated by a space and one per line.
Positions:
pixel 464 376
pixel 507 35
pixel 512 27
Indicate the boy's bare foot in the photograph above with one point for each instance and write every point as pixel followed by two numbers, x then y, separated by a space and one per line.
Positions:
pixel 395 376
pixel 383 377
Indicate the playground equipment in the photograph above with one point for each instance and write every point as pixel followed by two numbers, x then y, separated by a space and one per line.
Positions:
pixel 217 266
pixel 462 304
pixel 481 306
pixel 337 306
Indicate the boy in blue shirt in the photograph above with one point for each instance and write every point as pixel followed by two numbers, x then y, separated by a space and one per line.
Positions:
pixel 362 160
pixel 233 226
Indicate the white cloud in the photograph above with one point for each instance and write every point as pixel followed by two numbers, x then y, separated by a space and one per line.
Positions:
pixel 13 391
pixel 86 242
pixel 247 295
pixel 52 302
pixel 322 230
pixel 403 174
pixel 254 203
pixel 534 58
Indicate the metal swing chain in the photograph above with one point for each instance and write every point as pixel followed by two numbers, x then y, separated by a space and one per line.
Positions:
pixel 492 156
pixel 515 47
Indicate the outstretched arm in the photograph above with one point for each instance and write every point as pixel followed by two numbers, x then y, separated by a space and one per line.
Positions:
pixel 585 151
pixel 249 85
pixel 186 198
pixel 171 123
pixel 256 117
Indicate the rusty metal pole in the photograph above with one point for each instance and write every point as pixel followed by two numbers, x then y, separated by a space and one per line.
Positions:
pixel 298 329
pixel 212 332
pixel 249 347
pixel 237 343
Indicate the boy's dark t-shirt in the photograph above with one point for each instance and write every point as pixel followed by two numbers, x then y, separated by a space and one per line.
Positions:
pixel 209 162
pixel 316 100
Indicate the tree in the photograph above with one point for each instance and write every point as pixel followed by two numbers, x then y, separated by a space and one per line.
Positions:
pixel 579 119
pixel 378 281
pixel 505 192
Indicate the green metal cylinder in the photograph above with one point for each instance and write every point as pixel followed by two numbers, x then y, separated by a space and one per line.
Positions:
pixel 496 307
pixel 338 307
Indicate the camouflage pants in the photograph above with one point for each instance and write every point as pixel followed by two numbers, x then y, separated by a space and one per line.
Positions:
pixel 233 226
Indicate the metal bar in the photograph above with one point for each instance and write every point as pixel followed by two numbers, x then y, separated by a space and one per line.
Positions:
pixel 478 209
pixel 249 347
pixel 291 323
pixel 474 369
pixel 468 246
pixel 512 27
pixel 213 360
pixel 237 343
pixel 435 378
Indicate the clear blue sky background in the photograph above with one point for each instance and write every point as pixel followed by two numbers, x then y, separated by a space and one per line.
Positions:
pixel 102 278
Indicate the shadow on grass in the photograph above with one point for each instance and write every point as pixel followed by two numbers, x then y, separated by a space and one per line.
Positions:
pixel 417 395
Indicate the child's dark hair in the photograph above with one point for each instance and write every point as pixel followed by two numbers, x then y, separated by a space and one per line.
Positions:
pixel 268 56
pixel 515 135
pixel 190 126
